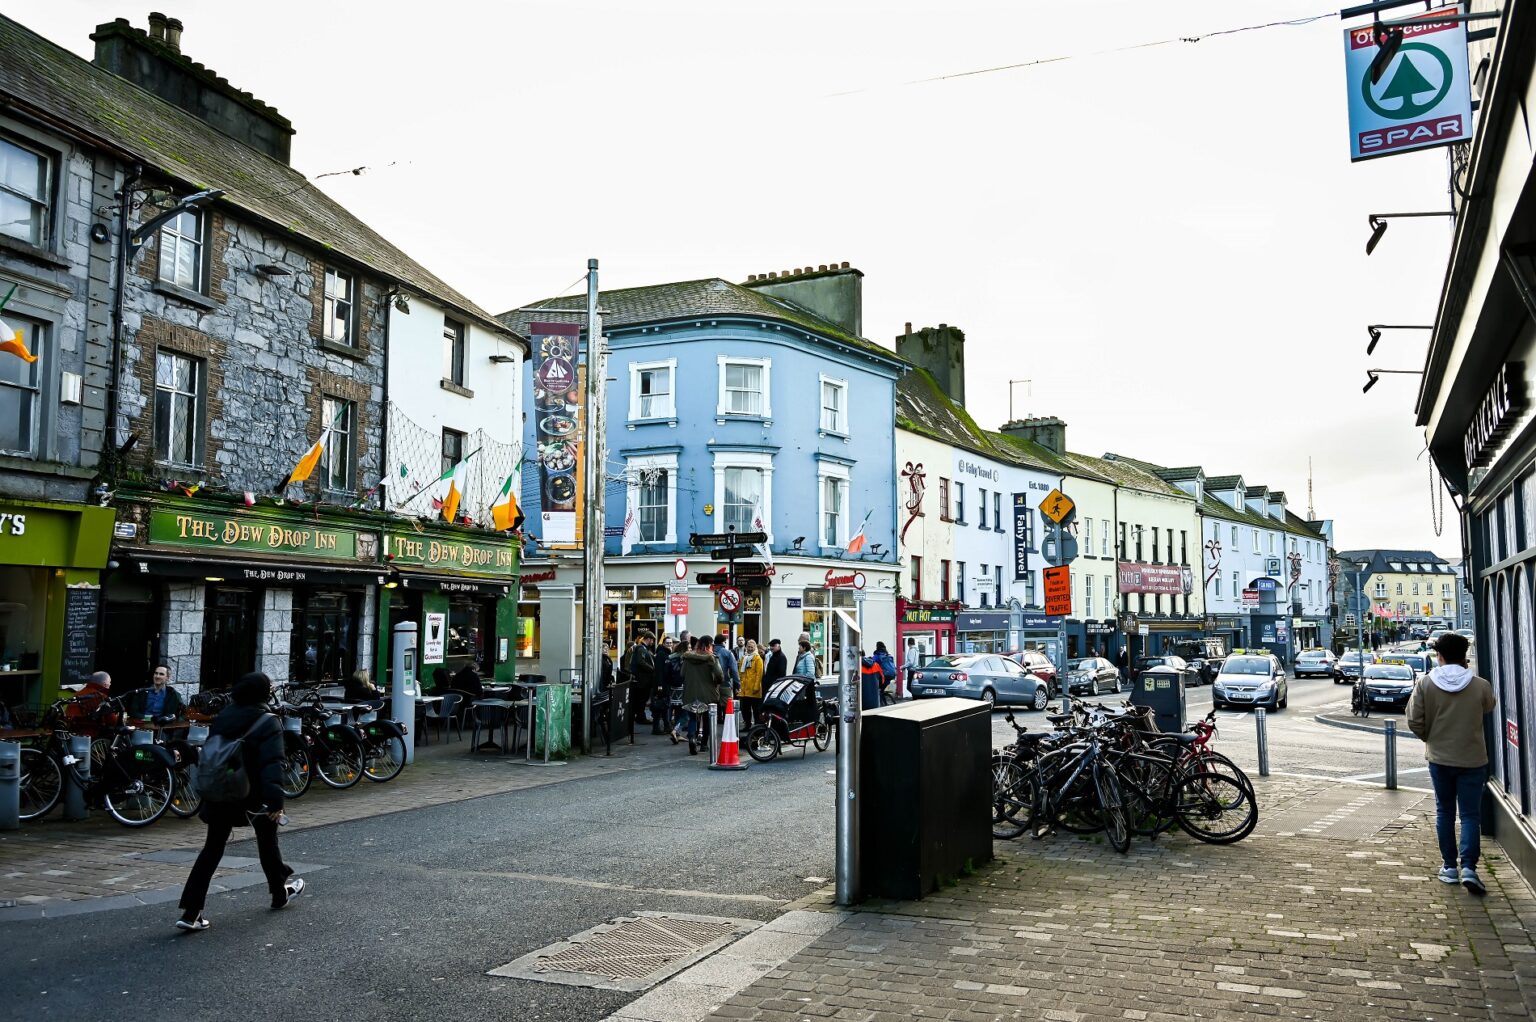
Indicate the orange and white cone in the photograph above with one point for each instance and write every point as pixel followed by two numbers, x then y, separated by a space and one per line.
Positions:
pixel 730 753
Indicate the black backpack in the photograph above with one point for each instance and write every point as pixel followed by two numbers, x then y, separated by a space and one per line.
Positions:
pixel 221 773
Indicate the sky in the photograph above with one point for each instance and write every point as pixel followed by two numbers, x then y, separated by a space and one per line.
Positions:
pixel 1167 241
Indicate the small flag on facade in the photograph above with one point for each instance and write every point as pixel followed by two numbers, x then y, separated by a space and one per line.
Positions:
pixel 11 339
pixel 505 513
pixel 250 499
pixel 856 544
pixel 306 465
pixel 449 491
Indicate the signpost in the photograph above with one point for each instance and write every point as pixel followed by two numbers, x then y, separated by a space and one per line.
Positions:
pixel 1059 548
pixel 1058 508
pixel 731 553
pixel 1058 590
pixel 729 546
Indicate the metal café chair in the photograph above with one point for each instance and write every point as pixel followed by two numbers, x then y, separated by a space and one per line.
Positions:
pixel 490 717
pixel 445 715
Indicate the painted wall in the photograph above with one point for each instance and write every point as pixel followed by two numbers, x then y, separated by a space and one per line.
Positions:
pixel 1164 513
pixel 1095 562
pixel 982 541
pixel 929 536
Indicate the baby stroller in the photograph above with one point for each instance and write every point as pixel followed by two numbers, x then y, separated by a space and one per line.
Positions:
pixel 791 713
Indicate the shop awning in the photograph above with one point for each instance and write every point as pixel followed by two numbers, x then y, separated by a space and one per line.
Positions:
pixel 421 581
pixel 223 569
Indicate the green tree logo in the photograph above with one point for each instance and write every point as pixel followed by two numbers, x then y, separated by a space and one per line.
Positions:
pixel 1407 85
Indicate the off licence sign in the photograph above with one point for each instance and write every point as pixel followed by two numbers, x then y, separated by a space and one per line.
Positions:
pixel 1058 591
pixel 1422 98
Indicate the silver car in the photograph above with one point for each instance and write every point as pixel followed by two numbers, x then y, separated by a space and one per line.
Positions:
pixel 1250 680
pixel 1314 662
pixel 989 677
pixel 1091 675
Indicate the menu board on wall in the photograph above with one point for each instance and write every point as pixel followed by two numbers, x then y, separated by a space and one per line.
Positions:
pixel 81 605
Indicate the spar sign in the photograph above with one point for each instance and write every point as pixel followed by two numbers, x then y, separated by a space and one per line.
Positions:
pixel 1421 100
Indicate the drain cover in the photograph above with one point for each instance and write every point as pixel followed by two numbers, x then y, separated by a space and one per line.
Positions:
pixel 630 953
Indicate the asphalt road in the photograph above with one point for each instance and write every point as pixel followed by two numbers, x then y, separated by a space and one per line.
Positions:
pixel 414 908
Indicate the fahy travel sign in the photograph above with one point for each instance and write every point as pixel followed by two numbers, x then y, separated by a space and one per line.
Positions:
pixel 1422 99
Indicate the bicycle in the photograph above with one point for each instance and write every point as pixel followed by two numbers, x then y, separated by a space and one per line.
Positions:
pixel 133 782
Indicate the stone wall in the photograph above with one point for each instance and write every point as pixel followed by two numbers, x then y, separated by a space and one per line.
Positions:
pixel 269 372
pixel 274 642
pixel 182 634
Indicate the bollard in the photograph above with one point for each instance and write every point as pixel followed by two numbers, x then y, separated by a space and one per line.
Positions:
pixel 1261 726
pixel 714 734
pixel 1391 734
pixel 10 785
pixel 77 774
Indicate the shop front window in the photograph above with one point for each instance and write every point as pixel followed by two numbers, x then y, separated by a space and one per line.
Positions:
pixel 229 636
pixel 323 648
pixel 469 630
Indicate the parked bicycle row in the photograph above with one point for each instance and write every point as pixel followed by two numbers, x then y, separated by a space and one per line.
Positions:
pixel 89 748
pixel 1109 769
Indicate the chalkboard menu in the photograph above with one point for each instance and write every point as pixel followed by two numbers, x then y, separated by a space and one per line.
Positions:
pixel 80 607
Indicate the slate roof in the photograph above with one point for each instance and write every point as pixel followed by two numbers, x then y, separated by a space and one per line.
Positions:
pixel 1122 473
pixel 922 407
pixel 1219 483
pixel 1381 561
pixel 694 299
pixel 42 78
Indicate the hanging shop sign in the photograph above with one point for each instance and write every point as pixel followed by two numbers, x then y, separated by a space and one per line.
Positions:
pixel 1155 578
pixel 495 557
pixel 259 534
pixel 927 616
pixel 836 580
pixel 1021 523
pixel 1420 97
pixel 1500 409
pixel 558 426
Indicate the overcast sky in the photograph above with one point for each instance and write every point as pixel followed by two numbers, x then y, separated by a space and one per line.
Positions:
pixel 1167 241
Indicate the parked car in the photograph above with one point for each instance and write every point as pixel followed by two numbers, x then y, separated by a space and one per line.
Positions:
pixel 1388 685
pixel 1313 662
pixel 1204 655
pixel 1038 664
pixel 1468 634
pixel 1091 675
pixel 1250 679
pixel 1190 675
pixel 1422 663
pixel 1349 665
pixel 990 677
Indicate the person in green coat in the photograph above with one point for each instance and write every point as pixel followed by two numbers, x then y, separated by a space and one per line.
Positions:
pixel 703 683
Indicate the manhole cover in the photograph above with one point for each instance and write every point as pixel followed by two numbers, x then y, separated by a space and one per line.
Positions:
pixel 630 953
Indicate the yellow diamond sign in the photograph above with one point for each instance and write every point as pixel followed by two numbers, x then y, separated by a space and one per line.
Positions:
pixel 1057 506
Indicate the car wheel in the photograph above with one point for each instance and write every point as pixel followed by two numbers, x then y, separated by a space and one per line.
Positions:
pixel 990 698
pixel 1041 696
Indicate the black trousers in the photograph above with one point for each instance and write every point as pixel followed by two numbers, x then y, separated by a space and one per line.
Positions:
pixel 195 895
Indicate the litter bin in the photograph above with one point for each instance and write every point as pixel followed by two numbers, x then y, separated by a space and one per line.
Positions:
pixel 10 785
pixel 926 795
pixel 1162 690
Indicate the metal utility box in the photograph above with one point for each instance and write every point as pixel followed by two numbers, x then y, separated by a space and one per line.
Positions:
pixel 1161 689
pixel 926 794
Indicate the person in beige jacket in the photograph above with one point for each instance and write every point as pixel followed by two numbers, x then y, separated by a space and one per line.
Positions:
pixel 1446 710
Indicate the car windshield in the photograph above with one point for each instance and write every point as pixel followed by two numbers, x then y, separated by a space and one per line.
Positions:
pixel 1151 661
pixel 940 662
pixel 1389 672
pixel 1081 665
pixel 1350 658
pixel 1246 665
pixel 1406 660
pixel 1312 654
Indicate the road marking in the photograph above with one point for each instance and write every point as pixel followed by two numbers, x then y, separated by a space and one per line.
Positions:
pixel 603 885
pixel 1381 774
pixel 1343 780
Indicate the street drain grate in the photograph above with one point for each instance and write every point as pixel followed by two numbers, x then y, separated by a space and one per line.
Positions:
pixel 631 953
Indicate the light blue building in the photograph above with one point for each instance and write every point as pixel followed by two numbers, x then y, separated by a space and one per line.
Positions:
pixel 755 408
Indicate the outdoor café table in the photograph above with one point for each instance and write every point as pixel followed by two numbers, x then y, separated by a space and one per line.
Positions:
pixel 509 705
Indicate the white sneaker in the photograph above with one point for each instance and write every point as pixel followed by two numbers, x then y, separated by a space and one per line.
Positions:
pixel 197 925
pixel 292 889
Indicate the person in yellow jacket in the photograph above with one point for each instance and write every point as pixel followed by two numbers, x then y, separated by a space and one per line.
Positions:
pixel 751 668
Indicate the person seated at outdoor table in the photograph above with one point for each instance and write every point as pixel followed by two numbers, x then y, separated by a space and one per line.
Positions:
pixel 360 689
pixel 159 702
pixel 90 698
pixel 468 681
pixel 442 684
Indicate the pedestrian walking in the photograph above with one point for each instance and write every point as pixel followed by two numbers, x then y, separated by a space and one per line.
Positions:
pixel 871 676
pixel 887 665
pixel 703 683
pixel 260 735
pixel 1446 712
pixel 727 663
pixel 805 660
pixel 912 662
pixel 751 668
pixel 640 665
pixel 777 665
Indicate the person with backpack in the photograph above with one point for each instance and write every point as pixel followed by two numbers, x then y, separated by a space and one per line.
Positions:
pixel 887 665
pixel 240 779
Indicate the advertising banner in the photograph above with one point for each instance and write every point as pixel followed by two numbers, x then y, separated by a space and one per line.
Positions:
pixel 1422 98
pixel 1153 578
pixel 559 429
pixel 1020 536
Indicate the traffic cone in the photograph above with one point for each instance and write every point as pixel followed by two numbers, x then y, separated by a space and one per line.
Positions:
pixel 730 753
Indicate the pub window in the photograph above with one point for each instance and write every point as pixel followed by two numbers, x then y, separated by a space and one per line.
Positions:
pixel 25 189
pixel 1103 538
pixel 337 316
pixel 453 351
pixel 453 449
pixel 181 250
pixel 997 512
pixel 337 456
pixel 20 388
pixel 959 502
pixel 1088 596
pixel 1088 536
pixel 178 387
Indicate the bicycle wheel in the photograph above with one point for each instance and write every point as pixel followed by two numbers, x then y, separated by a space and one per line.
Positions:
pixel 384 760
pixel 1147 784
pixel 143 800
pixel 1012 804
pixel 340 765
pixel 297 774
pixel 1112 806
pixel 42 783
pixel 823 736
pixel 185 800
pixel 763 744
pixel 1077 811
pixel 1210 761
pixel 1215 808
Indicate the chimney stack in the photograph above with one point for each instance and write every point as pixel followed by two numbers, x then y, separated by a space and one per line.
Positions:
pixel 835 293
pixel 157 26
pixel 941 351
pixel 173 28
pixel 1047 431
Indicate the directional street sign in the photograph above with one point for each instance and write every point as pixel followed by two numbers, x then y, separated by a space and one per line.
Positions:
pixel 720 579
pixel 731 553
pixel 703 539
pixel 1057 507
pixel 1058 590
pixel 730 599
pixel 742 568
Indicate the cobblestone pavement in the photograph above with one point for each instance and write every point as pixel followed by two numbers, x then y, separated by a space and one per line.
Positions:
pixel 52 861
pixel 1298 921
